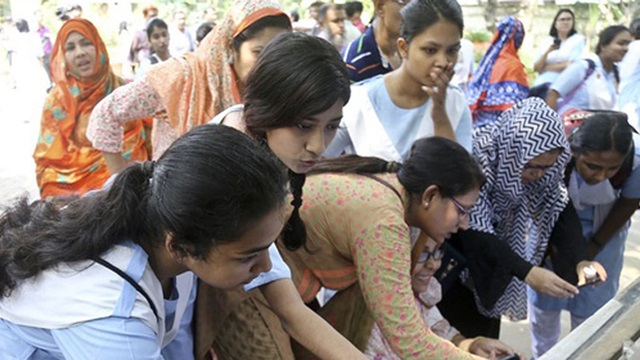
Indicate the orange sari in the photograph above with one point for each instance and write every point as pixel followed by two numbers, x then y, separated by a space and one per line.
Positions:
pixel 66 163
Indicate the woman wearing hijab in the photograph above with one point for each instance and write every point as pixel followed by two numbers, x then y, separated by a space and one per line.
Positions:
pixel 523 208
pixel 66 163
pixel 190 90
pixel 500 80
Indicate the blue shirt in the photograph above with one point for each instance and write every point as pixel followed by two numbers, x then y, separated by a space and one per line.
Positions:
pixel 119 336
pixel 363 59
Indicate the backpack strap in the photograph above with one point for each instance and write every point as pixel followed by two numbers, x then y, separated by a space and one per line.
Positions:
pixel 153 59
pixel 591 67
pixel 128 279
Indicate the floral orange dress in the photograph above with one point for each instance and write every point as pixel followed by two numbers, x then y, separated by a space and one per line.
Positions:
pixel 66 163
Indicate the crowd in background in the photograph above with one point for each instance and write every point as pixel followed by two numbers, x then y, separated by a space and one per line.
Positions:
pixel 301 188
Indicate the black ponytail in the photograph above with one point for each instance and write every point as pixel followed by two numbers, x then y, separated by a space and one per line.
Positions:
pixel 208 188
pixel 354 164
pixel 295 234
pixel 36 237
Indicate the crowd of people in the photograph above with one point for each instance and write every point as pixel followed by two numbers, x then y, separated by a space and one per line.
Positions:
pixel 272 188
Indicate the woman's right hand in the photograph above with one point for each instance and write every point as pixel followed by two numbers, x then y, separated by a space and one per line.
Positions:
pixel 548 283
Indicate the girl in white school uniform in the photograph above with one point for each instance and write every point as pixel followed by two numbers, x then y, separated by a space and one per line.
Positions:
pixel 593 83
pixel 386 114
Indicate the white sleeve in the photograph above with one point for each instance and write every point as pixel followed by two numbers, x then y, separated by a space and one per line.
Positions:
pixel 341 143
pixel 279 270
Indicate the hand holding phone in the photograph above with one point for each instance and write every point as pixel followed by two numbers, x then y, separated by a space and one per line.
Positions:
pixel 511 357
pixel 591 277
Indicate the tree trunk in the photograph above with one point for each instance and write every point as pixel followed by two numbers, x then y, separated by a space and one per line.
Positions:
pixel 490 14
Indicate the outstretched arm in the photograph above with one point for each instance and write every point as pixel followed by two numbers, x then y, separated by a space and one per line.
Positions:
pixel 304 325
pixel 130 102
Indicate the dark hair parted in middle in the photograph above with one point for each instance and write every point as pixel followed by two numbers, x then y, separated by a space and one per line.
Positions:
pixel 419 15
pixel 432 161
pixel 283 90
pixel 155 23
pixel 553 32
pixel 603 131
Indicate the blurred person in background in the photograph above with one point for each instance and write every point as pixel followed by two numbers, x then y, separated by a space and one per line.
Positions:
pixel 66 163
pixel 501 80
pixel 375 52
pixel 331 20
pixel 181 39
pixel 140 47
pixel 563 47
pixel 203 30
pixel 45 39
pixel 354 11
pixel 158 34
pixel 629 98
pixel 27 62
pixel 592 83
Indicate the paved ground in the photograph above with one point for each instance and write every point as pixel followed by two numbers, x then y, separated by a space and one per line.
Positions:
pixel 19 124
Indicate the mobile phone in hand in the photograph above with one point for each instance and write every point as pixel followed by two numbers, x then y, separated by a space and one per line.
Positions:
pixel 557 41
pixel 511 357
pixel 591 281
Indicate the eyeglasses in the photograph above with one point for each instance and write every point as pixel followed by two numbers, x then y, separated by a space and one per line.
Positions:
pixel 537 167
pixel 565 19
pixel 462 211
pixel 436 255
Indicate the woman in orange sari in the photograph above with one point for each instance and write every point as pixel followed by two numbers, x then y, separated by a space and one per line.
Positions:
pixel 500 80
pixel 190 90
pixel 66 163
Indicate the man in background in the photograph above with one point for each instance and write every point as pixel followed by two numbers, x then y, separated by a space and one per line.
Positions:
pixel 181 39
pixel 332 28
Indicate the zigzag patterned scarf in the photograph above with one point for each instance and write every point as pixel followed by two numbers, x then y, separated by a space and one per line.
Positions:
pixel 521 214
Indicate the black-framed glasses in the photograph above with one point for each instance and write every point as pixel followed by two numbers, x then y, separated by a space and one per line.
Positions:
pixel 436 254
pixel 462 211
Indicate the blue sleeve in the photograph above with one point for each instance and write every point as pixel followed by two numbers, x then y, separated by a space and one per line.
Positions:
pixel 279 270
pixel 340 143
pixel 631 187
pixel 181 348
pixel 109 338
pixel 570 78
pixel 464 129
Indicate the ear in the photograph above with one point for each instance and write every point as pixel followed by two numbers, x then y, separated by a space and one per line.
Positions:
pixel 403 47
pixel 427 196
pixel 170 246
pixel 378 6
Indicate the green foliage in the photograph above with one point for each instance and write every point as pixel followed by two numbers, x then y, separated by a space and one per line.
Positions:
pixel 478 36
